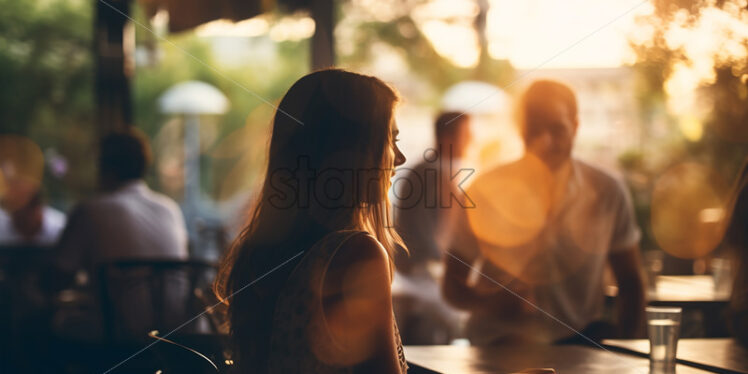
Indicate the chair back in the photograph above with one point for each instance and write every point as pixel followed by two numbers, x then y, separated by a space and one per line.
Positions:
pixel 138 296
pixel 24 295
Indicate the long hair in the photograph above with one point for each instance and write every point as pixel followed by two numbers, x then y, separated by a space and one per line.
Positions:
pixel 328 169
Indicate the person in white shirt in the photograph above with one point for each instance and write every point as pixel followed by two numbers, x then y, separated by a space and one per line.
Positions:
pixel 426 195
pixel 131 222
pixel 127 220
pixel 33 223
pixel 529 261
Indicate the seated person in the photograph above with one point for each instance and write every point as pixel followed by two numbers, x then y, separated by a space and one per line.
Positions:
pixel 425 210
pixel 30 222
pixel 308 281
pixel 543 230
pixel 127 220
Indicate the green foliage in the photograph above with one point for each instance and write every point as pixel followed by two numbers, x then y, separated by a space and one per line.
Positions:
pixel 724 143
pixel 423 60
pixel 255 85
pixel 46 69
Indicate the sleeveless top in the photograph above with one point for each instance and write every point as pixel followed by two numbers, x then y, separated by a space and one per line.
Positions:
pixel 300 335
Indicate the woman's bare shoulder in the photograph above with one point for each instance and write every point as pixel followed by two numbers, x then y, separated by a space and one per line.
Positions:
pixel 361 247
pixel 360 262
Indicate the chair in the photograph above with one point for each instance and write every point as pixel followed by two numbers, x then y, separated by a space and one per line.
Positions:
pixel 138 296
pixel 193 353
pixel 24 305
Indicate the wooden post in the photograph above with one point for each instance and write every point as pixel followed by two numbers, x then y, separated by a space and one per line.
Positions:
pixel 323 41
pixel 114 42
pixel 480 23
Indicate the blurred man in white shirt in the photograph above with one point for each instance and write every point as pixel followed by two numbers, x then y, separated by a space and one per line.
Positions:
pixel 127 220
pixel 545 227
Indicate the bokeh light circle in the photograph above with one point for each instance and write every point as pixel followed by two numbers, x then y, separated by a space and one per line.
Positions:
pixel 511 202
pixel 687 210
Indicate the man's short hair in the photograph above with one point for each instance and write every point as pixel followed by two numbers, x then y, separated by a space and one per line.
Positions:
pixel 540 94
pixel 448 123
pixel 124 155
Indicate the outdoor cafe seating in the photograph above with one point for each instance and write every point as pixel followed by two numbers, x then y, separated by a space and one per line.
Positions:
pixel 605 138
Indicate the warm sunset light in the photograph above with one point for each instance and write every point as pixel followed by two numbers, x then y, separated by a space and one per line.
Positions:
pixel 529 33
pixel 248 28
pixel 704 45
pixel 374 186
pixel 458 43
pixel 287 28
pixel 517 215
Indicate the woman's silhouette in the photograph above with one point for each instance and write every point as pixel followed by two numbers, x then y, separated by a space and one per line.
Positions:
pixel 308 281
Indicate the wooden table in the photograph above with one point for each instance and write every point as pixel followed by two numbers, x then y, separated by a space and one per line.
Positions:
pixel 680 289
pixel 697 296
pixel 699 299
pixel 507 359
pixel 717 355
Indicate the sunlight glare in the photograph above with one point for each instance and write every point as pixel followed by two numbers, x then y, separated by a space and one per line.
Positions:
pixel 255 26
pixel 531 33
pixel 717 39
pixel 448 26
pixel 456 42
pixel 292 29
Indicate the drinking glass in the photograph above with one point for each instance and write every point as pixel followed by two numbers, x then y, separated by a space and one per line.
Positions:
pixel 663 328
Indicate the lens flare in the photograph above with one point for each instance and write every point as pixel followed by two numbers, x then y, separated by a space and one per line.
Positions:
pixel 687 207
pixel 511 203
pixel 533 227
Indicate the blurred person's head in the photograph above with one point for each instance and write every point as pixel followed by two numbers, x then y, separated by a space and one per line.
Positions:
pixel 123 157
pixel 27 219
pixel 21 170
pixel 329 122
pixel 736 233
pixel 453 135
pixel 548 121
